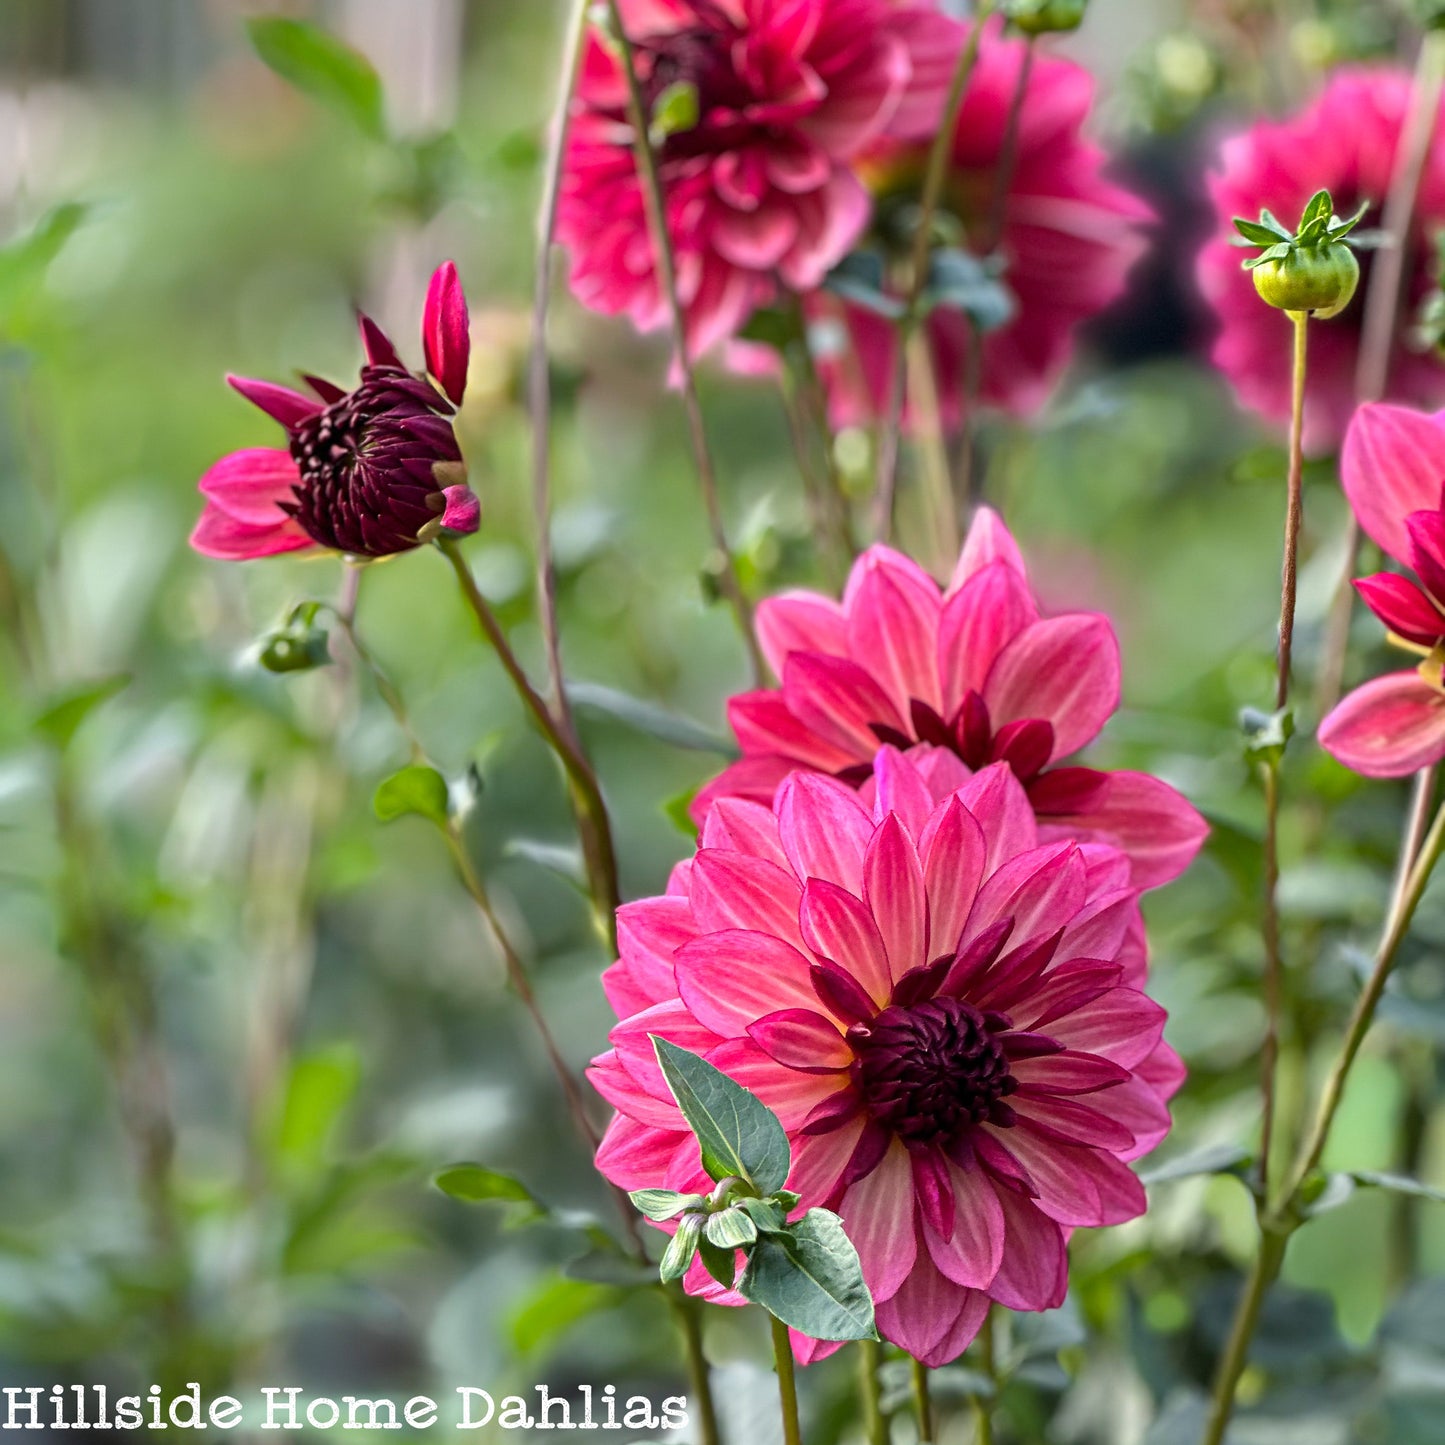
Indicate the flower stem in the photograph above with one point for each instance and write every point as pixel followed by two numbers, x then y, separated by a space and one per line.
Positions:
pixel 656 201
pixel 1294 511
pixel 923 1402
pixel 875 1425
pixel 983 1404
pixel 539 382
pixel 886 485
pixel 594 828
pixel 688 1314
pixel 1383 298
pixel 787 1382
pixel 1273 974
pixel 1279 1221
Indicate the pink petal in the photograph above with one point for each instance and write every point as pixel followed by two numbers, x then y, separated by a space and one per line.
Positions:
pixel 837 699
pixel 744 827
pixel 376 343
pixel 1064 670
pixel 763 723
pixel 1393 463
pixel 932 1318
pixel 649 933
pixel 988 541
pixel 607 1075
pixel 1427 550
pixel 1389 727
pixel 1034 1273
pixel 1402 607
pixel 899 787
pixel 953 852
pixel 979 620
pixel 463 513
pixel 971 1257
pixel 733 890
pixel 280 403
pixel 1122 1025
pixel 634 1156
pixel 819 1161
pixel 824 829
pixel 799 622
pixel 1040 890
pixel 1077 1186
pixel 722 976
pixel 445 332
pixel 877 1213
pixel 997 800
pixel 1072 1122
pixel 802 1039
pixel 839 927
pixel 632 1039
pixel 791 1094
pixel 218 534
pixel 1067 1073
pixel 754 778
pixel 250 485
pixel 1156 826
pixel 893 889
pixel 892 608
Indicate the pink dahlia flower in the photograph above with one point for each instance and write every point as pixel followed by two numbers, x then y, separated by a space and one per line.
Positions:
pixel 973 670
pixel 1345 141
pixel 1066 235
pixel 368 472
pixel 759 191
pixel 944 1012
pixel 1393 470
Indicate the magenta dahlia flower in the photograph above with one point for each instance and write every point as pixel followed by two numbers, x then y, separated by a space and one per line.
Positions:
pixel 974 670
pixel 759 191
pixel 1066 235
pixel 1393 470
pixel 1344 141
pixel 369 472
pixel 945 1013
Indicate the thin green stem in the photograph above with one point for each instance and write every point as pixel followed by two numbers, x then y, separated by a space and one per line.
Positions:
pixel 1294 510
pixel 787 1382
pixel 539 383
pixel 983 1405
pixel 687 1312
pixel 594 827
pixel 730 580
pixel 875 1423
pixel 922 1402
pixel 1273 975
pixel 886 484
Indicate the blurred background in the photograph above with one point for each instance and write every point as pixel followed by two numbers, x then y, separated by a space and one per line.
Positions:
pixel 243 1023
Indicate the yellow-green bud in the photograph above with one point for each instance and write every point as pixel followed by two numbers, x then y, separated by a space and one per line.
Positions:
pixel 1317 279
pixel 1039 17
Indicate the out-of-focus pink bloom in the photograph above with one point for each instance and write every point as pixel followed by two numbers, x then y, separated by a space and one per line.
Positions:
pixel 944 1012
pixel 1393 469
pixel 973 670
pixel 1066 235
pixel 759 192
pixel 369 472
pixel 1343 141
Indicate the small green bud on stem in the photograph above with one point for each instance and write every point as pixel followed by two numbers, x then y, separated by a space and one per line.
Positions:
pixel 1040 17
pixel 1311 271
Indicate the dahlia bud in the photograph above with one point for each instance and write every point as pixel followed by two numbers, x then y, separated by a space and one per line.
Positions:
pixel 1312 271
pixel 1040 17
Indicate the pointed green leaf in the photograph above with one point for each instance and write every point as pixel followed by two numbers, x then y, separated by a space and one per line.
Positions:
pixel 767 1214
pixel 677 1259
pixel 1319 208
pixel 61 719
pixel 1397 1184
pixel 24 260
pixel 648 718
pixel 738 1134
pixel 660 1204
pixel 1212 1159
pixel 418 790
pixel 323 67
pixel 720 1263
pixel 730 1229
pixel 1257 233
pixel 811 1279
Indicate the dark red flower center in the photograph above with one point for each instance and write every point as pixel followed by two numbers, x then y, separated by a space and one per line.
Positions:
pixel 367 462
pixel 931 1071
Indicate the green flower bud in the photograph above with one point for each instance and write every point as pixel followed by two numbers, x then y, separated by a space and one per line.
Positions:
pixel 1039 17
pixel 1318 279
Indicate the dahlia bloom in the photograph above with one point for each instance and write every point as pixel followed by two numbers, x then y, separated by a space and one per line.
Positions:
pixel 1067 236
pixel 973 670
pixel 945 1014
pixel 1393 470
pixel 369 472
pixel 759 192
pixel 1344 142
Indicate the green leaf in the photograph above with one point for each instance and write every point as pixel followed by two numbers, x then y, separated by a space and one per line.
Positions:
pixel 319 1090
pixel 1266 734
pixel 730 1229
pixel 556 858
pixel 476 1184
pixel 676 109
pixel 321 66
pixel 1397 1184
pixel 811 1280
pixel 1212 1159
pixel 774 327
pixel 64 714
pixel 1260 233
pixel 1275 253
pixel 677 1258
pixel 960 281
pixel 720 1263
pixel 25 260
pixel 660 1204
pixel 738 1134
pixel 1319 208
pixel 677 812
pixel 769 1215
pixel 860 277
pixel 648 718
pixel 417 789
pixel 553 1309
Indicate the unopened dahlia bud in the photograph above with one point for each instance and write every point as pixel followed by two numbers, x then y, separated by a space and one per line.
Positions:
pixel 1312 271
pixel 1039 17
